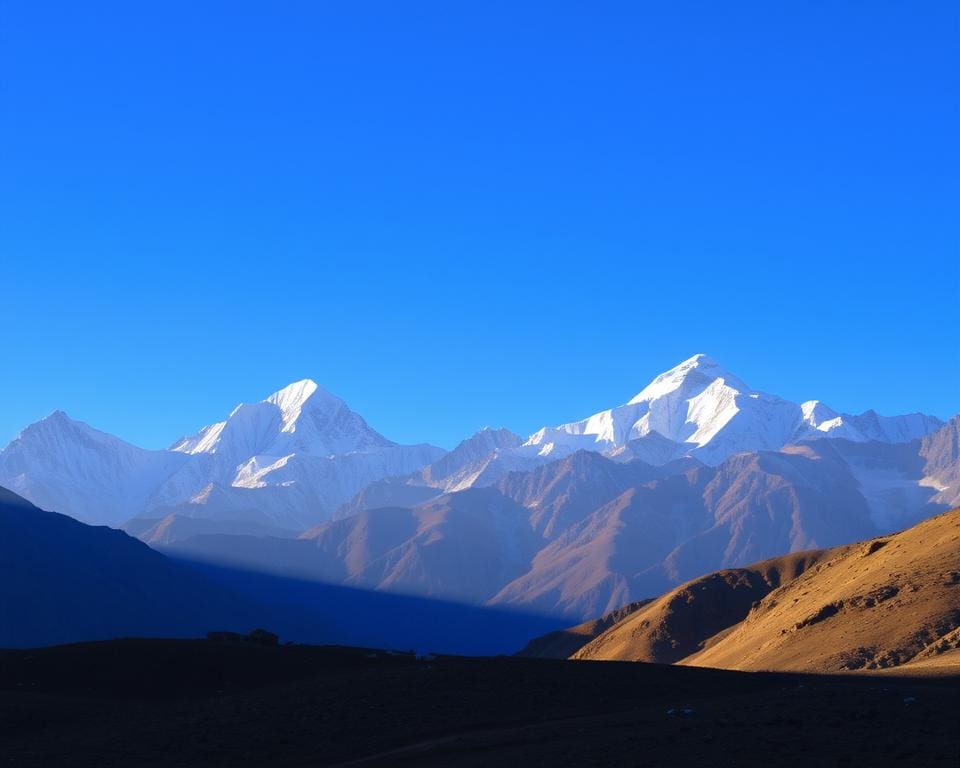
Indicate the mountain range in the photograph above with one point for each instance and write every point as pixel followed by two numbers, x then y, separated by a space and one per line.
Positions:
pixel 698 472
pixel 708 412
pixel 585 534
pixel 289 461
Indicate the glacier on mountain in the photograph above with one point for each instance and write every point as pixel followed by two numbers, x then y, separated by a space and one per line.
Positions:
pixel 302 450
pixel 709 413
pixel 288 462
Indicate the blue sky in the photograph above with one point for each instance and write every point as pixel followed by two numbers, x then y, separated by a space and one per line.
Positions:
pixel 466 214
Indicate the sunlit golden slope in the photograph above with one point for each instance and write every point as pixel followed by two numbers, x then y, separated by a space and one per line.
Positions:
pixel 883 603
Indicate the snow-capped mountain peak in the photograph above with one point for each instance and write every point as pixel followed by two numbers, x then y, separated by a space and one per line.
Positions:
pixel 821 417
pixel 300 396
pixel 301 418
pixel 694 373
pixel 690 403
pixel 708 411
pixel 302 446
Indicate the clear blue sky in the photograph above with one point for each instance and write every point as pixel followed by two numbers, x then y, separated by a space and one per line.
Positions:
pixel 462 214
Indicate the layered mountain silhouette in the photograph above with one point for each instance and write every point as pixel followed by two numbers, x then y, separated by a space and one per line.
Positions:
pixel 695 410
pixel 888 602
pixel 290 461
pixel 697 472
pixel 65 581
pixel 586 534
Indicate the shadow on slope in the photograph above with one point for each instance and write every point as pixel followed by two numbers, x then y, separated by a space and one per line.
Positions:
pixel 314 612
pixel 65 581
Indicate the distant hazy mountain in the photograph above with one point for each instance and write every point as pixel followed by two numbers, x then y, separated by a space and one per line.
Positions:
pixel 284 463
pixel 59 463
pixel 654 536
pixel 563 492
pixel 480 460
pixel 940 451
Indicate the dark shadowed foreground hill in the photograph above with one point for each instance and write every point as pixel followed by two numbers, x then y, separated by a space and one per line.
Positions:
pixel 64 581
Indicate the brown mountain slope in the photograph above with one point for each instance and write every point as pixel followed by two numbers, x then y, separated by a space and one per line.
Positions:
pixel 882 603
pixel 563 643
pixel 653 537
pixel 459 546
pixel 681 621
pixel 564 492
